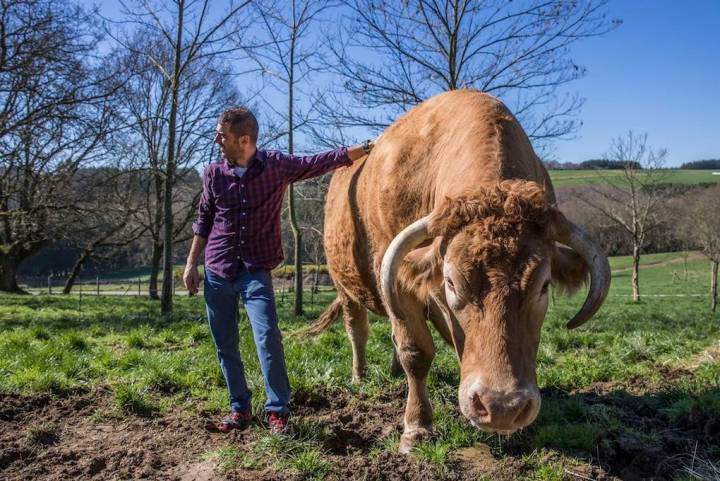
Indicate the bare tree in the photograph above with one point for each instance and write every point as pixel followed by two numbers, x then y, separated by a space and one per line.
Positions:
pixel 703 225
pixel 391 56
pixel 205 91
pixel 287 55
pixel 631 200
pixel 193 32
pixel 110 199
pixel 53 116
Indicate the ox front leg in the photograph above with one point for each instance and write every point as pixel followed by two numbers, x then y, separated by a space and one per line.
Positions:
pixel 415 351
pixel 356 327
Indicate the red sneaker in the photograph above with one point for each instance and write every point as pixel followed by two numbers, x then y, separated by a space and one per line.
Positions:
pixel 278 422
pixel 234 420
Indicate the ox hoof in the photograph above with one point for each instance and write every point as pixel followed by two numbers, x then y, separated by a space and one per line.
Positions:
pixel 410 439
pixel 356 379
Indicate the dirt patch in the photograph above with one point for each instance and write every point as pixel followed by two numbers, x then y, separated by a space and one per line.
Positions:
pixel 88 445
pixel 90 448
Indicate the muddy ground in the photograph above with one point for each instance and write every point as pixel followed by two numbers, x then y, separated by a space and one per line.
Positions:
pixel 89 445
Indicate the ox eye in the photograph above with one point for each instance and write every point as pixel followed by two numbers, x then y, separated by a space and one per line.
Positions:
pixel 545 288
pixel 450 283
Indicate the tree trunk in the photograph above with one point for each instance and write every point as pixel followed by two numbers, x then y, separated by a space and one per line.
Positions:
pixel 8 272
pixel 636 274
pixel 75 271
pixel 297 234
pixel 167 288
pixel 316 278
pixel 157 251
pixel 713 284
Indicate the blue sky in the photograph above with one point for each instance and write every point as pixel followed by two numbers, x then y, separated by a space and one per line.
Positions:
pixel 659 73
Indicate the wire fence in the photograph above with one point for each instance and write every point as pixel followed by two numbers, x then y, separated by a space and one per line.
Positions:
pixel 140 287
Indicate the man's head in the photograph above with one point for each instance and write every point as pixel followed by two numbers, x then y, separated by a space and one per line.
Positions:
pixel 236 134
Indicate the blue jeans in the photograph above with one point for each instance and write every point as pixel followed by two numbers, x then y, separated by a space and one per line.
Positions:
pixel 221 297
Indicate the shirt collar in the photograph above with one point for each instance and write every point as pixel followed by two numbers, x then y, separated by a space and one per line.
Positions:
pixel 258 159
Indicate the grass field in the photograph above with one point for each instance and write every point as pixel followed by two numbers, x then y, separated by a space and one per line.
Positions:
pixel 571 178
pixel 106 388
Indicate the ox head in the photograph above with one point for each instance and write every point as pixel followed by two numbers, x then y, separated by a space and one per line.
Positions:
pixel 491 259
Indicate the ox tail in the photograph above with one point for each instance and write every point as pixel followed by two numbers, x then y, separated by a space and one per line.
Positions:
pixel 328 316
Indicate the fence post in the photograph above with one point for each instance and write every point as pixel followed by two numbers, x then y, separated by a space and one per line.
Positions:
pixel 97 283
pixel 139 286
pixel 50 284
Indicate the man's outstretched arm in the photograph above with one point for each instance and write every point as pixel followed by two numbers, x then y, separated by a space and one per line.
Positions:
pixel 305 167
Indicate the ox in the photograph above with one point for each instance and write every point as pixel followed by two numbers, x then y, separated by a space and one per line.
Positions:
pixel 452 219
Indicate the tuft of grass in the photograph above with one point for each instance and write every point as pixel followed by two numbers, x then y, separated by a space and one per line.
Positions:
pixel 436 454
pixel 277 446
pixel 130 360
pixel 39 332
pixel 165 381
pixel 75 341
pixel 310 464
pixel 198 333
pixel 50 382
pixel 228 458
pixel 133 401
pixel 138 338
pixel 547 472
pixel 43 434
pixel 387 444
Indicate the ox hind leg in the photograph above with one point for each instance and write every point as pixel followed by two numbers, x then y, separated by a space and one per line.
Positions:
pixel 415 351
pixel 355 319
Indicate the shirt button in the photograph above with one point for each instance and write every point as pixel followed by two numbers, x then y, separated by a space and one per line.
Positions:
pixel 242 241
pixel 242 185
pixel 243 213
pixel 243 227
pixel 244 200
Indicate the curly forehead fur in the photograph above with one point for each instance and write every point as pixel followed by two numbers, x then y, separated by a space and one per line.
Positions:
pixel 494 218
pixel 495 222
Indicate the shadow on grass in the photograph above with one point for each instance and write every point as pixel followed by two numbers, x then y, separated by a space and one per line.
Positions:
pixel 631 433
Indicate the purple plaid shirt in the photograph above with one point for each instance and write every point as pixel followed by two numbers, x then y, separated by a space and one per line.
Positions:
pixel 240 216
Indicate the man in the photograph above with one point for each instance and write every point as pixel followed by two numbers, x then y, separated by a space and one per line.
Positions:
pixel 239 222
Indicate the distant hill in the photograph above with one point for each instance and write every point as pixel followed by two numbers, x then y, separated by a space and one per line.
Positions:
pixel 579 177
pixel 702 164
pixel 594 164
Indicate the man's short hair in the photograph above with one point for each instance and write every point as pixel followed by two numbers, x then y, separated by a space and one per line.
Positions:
pixel 240 122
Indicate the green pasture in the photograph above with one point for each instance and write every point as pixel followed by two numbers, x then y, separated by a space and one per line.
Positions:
pixel 573 178
pixel 152 364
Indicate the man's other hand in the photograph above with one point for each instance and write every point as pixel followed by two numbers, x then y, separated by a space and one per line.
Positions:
pixel 191 279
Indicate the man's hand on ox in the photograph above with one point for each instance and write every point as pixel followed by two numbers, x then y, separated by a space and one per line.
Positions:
pixel 191 279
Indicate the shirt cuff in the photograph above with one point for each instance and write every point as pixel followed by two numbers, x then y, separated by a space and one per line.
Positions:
pixel 201 230
pixel 345 159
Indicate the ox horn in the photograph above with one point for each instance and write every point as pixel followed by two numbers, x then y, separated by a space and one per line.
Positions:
pixel 575 237
pixel 403 243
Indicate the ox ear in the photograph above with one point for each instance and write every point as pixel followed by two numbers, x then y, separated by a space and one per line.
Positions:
pixel 425 262
pixel 569 271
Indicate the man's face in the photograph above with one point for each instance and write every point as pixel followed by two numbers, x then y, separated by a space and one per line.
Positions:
pixel 234 146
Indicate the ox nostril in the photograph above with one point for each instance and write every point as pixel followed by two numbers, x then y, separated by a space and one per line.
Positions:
pixel 480 409
pixel 525 415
